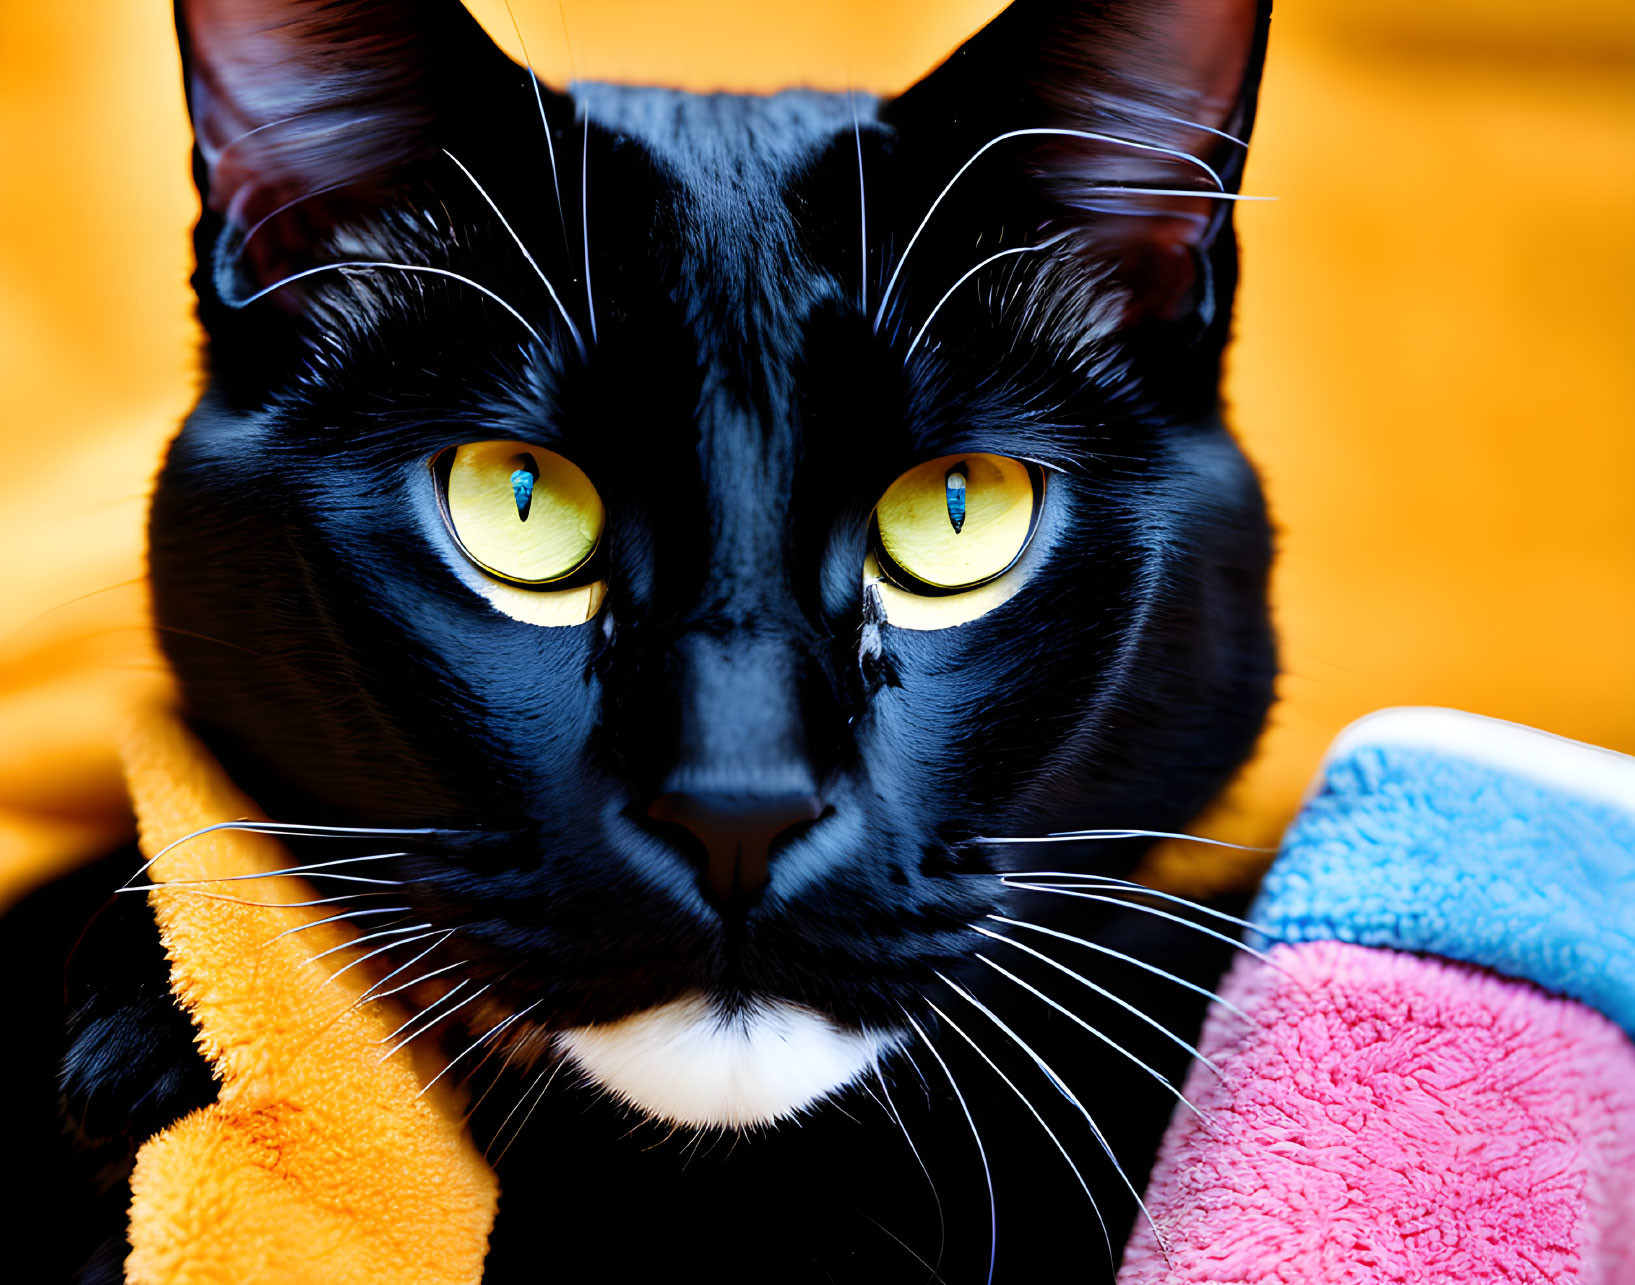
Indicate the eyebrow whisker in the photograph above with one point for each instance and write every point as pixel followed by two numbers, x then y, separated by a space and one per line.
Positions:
pixel 573 330
pixel 1089 135
pixel 361 264
pixel 992 258
pixel 544 123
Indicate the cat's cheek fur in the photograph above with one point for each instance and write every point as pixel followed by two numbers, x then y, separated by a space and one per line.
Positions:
pixel 690 1063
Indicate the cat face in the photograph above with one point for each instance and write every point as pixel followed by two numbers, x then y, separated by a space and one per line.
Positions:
pixel 709 516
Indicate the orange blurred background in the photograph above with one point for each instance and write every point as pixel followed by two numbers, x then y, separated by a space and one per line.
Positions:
pixel 1435 369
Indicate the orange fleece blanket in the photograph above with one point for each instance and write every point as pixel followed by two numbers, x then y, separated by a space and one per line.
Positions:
pixel 321 1160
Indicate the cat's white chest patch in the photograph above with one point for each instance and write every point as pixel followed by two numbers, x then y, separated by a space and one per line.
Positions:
pixel 690 1063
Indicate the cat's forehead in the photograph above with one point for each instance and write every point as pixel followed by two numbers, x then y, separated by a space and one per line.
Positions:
pixel 710 144
pixel 731 251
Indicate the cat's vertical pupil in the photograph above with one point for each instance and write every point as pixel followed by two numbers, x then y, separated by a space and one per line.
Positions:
pixel 954 485
pixel 522 485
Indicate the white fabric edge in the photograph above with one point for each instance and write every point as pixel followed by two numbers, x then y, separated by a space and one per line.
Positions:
pixel 1574 767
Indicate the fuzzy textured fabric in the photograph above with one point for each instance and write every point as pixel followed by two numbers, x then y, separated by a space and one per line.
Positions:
pixel 1472 839
pixel 319 1161
pixel 1388 1116
pixel 1397 1119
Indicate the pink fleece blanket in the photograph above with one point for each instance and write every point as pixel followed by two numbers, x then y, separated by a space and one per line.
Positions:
pixel 1395 1118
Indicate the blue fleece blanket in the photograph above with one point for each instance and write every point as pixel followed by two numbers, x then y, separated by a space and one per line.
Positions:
pixel 1447 834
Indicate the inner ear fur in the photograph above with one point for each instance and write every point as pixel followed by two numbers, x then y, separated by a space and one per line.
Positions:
pixel 304 111
pixel 1160 96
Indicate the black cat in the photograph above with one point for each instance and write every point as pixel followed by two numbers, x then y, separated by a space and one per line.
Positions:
pixel 723 521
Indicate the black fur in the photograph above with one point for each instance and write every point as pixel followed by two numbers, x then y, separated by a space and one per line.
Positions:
pixel 99 1036
pixel 740 416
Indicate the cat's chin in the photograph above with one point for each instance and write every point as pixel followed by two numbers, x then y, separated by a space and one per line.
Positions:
pixel 689 1062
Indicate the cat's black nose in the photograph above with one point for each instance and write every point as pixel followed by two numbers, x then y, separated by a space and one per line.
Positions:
pixel 738 833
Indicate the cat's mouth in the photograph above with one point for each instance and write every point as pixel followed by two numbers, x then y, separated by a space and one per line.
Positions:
pixel 676 1009
pixel 693 1062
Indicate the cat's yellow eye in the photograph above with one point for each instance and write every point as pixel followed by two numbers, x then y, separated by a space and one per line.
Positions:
pixel 525 515
pixel 955 523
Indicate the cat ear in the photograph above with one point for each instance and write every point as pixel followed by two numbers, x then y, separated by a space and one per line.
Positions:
pixel 1128 121
pixel 302 109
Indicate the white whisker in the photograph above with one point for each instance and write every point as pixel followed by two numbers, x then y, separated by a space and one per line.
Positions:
pixel 1091 136
pixel 1161 914
pixel 521 1098
pixel 992 258
pixel 925 1084
pixel 412 1019
pixel 268 217
pixel 270 874
pixel 1096 1031
pixel 510 1054
pixel 410 1038
pixel 441 938
pixel 1205 129
pixel 1061 1087
pixel 275 874
pixel 1040 1120
pixel 374 936
pixel 1072 836
pixel 578 341
pixel 538 1098
pixel 1131 212
pixel 907 1248
pixel 544 124
pixel 863 214
pixel 491 1031
pixel 378 950
pixel 1031 877
pixel 415 981
pixel 273 828
pixel 987 1174
pixel 1112 189
pixel 584 222
pixel 233 142
pixel 351 914
pixel 549 1069
pixel 269 905
pixel 936 1196
pixel 1128 959
pixel 350 265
